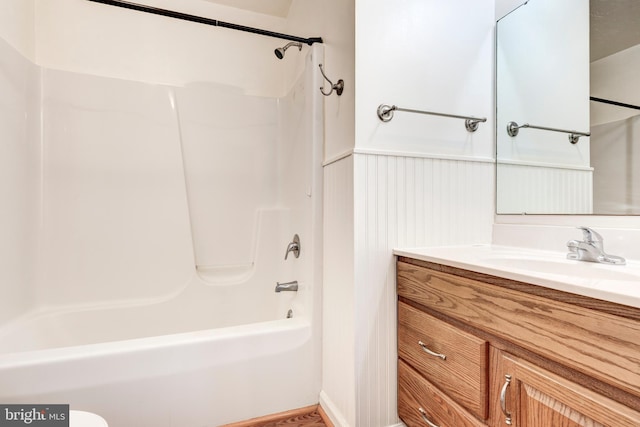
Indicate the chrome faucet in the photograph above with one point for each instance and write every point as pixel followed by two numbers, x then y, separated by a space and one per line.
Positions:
pixel 591 249
pixel 287 286
pixel 294 247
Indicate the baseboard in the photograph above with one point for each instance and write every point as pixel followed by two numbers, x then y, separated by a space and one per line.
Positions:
pixel 325 418
pixel 330 410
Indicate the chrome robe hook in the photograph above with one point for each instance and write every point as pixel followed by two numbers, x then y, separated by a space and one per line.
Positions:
pixel 338 87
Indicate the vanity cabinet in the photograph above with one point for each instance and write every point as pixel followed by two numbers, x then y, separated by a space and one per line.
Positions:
pixel 479 350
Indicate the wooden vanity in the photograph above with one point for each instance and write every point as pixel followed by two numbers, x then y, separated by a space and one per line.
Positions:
pixel 480 350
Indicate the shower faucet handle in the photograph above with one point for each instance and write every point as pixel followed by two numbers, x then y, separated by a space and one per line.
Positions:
pixel 294 247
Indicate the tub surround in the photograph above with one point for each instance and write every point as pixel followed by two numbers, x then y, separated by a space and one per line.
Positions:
pixel 548 269
pixel 106 310
pixel 19 161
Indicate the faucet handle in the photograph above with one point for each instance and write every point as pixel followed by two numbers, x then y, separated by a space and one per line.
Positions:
pixel 294 247
pixel 590 236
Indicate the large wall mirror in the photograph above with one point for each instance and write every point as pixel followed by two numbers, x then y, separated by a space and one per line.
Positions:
pixel 568 108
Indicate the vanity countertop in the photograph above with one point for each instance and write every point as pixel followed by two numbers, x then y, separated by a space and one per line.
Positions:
pixel 615 283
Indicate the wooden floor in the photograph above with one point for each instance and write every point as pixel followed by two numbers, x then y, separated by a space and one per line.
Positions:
pixel 311 416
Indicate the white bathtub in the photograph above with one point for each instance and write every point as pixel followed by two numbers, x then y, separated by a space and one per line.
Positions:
pixel 205 377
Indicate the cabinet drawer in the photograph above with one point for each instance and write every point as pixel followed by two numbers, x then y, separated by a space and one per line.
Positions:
pixel 453 360
pixel 419 400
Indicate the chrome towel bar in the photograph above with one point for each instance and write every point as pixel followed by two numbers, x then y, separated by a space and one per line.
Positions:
pixel 574 136
pixel 385 113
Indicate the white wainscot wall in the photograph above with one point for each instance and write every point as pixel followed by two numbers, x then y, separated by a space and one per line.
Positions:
pixel 544 189
pixel 397 202
pixel 404 202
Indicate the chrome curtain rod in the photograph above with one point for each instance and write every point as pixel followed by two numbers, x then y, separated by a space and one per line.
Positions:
pixel 619 104
pixel 574 136
pixel 206 21
pixel 385 113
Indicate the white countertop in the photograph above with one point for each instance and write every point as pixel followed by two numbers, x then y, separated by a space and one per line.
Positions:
pixel 614 283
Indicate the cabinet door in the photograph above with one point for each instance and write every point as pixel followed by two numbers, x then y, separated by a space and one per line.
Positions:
pixel 525 395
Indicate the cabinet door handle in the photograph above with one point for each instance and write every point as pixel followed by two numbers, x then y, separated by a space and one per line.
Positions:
pixel 423 414
pixel 503 400
pixel 432 353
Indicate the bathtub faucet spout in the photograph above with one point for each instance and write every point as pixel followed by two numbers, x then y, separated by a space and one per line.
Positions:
pixel 287 286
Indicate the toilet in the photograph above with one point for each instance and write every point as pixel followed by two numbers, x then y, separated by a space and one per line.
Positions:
pixel 86 419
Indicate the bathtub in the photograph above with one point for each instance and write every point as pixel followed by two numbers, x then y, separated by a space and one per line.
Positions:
pixel 224 347
pixel 159 372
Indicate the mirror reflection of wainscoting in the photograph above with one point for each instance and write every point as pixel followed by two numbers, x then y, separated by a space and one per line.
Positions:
pixel 544 189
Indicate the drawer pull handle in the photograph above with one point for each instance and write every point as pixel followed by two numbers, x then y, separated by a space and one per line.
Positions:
pixel 503 400
pixel 432 353
pixel 423 414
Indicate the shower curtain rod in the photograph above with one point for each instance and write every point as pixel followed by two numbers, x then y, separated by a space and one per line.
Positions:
pixel 619 104
pixel 207 21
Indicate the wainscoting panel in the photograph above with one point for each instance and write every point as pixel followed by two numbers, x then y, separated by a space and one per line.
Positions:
pixel 542 189
pixel 404 202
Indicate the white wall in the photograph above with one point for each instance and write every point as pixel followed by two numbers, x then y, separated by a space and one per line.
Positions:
pixel 615 78
pixel 425 55
pixel 92 38
pixel 17 25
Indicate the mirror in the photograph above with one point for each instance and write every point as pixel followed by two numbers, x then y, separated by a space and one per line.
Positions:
pixel 568 108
